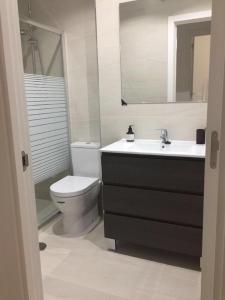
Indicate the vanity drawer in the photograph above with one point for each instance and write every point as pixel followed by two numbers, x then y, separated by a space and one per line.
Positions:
pixel 164 173
pixel 170 237
pixel 178 208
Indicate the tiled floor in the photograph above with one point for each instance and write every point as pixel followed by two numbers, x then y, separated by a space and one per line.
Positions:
pixel 82 269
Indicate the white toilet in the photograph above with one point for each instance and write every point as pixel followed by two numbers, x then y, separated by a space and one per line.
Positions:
pixel 77 196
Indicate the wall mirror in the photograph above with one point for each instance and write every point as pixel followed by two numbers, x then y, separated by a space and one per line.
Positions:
pixel 165 51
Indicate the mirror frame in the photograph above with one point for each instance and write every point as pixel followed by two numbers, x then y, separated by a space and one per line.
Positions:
pixel 173 22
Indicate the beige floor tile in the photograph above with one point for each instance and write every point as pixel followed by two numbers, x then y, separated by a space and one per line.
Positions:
pixel 150 281
pixel 49 297
pixel 144 295
pixel 58 289
pixel 73 244
pixel 180 283
pixel 103 272
pixel 169 282
pixel 163 297
pixel 83 268
pixel 51 258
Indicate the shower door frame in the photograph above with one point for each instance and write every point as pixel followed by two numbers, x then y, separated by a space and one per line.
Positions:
pixel 39 25
pixel 62 35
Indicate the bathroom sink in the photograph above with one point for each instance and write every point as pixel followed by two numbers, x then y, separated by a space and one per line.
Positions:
pixel 156 147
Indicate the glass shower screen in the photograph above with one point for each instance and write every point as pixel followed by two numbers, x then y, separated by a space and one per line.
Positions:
pixel 47 112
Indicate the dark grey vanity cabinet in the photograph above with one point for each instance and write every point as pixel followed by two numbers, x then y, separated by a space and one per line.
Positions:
pixel 154 201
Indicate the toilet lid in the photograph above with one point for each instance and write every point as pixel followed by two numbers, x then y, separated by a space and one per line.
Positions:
pixel 71 186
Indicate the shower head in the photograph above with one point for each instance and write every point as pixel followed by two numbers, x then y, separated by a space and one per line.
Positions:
pixel 28 30
pixel 23 32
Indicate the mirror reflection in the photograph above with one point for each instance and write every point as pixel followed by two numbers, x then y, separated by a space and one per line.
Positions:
pixel 165 51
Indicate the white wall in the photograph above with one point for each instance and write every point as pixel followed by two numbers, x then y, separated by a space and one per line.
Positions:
pixel 144 46
pixel 180 119
pixel 77 19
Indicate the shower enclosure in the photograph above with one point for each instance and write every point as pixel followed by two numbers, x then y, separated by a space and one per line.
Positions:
pixel 47 111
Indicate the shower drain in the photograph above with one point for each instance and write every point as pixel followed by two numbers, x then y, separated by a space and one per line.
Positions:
pixel 42 246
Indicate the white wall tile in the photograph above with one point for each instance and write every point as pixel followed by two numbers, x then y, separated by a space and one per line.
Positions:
pixel 77 20
pixel 180 119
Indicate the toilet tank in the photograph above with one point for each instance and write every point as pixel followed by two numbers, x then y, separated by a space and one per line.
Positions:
pixel 86 159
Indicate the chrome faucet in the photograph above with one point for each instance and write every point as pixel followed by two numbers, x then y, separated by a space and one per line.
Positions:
pixel 164 136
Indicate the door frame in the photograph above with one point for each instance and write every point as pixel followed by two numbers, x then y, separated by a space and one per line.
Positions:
pixel 21 236
pixel 173 22
pixel 213 261
pixel 21 275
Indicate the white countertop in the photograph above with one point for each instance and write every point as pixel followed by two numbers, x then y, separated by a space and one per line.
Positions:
pixel 155 147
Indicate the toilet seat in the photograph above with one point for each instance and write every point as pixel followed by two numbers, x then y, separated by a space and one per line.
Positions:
pixel 71 186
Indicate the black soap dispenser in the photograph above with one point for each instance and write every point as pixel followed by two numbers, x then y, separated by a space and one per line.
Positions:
pixel 130 134
pixel 200 136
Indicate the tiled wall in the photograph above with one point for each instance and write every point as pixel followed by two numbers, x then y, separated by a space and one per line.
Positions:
pixel 77 20
pixel 181 120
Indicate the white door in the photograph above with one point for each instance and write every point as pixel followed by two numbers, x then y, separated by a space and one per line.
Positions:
pixel 213 277
pixel 20 260
pixel 20 273
pixel 201 67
